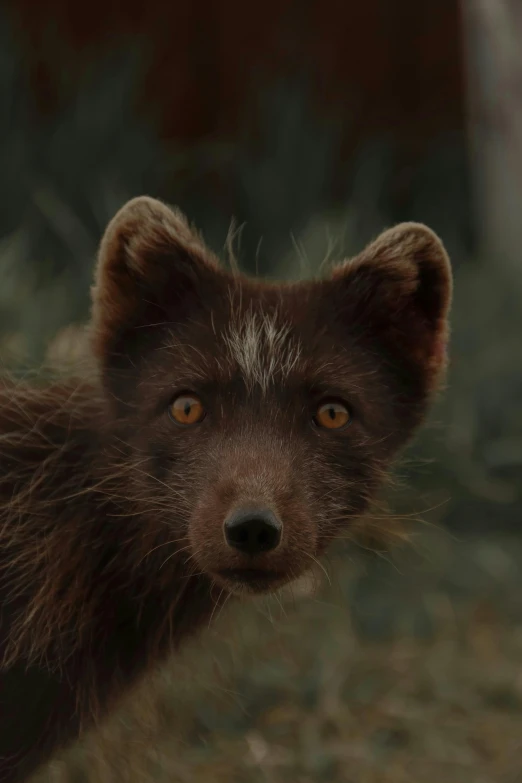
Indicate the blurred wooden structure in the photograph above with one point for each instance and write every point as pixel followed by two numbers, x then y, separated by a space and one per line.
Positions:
pixel 494 32
pixel 389 67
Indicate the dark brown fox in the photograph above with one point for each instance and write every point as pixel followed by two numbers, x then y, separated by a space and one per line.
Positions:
pixel 232 429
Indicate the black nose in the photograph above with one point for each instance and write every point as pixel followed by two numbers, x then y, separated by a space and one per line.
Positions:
pixel 253 531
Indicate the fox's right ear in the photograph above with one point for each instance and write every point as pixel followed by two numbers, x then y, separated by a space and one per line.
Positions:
pixel 151 269
pixel 397 292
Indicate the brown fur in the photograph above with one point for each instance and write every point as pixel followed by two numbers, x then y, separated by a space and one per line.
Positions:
pixel 111 517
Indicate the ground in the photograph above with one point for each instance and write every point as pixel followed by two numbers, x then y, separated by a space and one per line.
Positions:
pixel 400 671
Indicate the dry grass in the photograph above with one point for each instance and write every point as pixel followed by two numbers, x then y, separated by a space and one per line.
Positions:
pixel 405 672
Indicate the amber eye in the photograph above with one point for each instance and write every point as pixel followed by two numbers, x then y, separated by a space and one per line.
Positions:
pixel 187 409
pixel 332 415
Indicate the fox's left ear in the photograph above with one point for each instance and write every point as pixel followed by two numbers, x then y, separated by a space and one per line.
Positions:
pixel 152 268
pixel 397 292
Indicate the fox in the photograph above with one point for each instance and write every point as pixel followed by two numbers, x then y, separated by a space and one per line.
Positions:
pixel 229 430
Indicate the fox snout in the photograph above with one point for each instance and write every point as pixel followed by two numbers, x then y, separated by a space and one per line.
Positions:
pixel 253 521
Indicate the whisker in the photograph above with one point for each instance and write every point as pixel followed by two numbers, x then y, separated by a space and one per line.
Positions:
pixel 159 546
pixel 216 604
pixel 177 552
pixel 321 566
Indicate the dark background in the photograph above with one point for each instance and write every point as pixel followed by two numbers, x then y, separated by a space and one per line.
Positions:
pixel 315 125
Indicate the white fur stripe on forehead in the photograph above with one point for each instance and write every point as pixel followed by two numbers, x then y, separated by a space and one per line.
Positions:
pixel 262 347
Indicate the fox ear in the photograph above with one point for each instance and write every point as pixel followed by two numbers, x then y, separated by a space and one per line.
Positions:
pixel 397 292
pixel 151 268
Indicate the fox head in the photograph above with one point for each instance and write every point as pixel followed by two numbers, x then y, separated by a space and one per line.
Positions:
pixel 261 417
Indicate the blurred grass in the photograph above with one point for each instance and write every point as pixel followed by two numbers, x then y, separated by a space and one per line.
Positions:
pixel 403 671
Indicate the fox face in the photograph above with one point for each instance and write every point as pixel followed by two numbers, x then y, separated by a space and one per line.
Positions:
pixel 260 418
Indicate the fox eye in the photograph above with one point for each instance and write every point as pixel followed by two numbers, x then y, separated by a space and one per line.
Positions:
pixel 187 409
pixel 332 415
